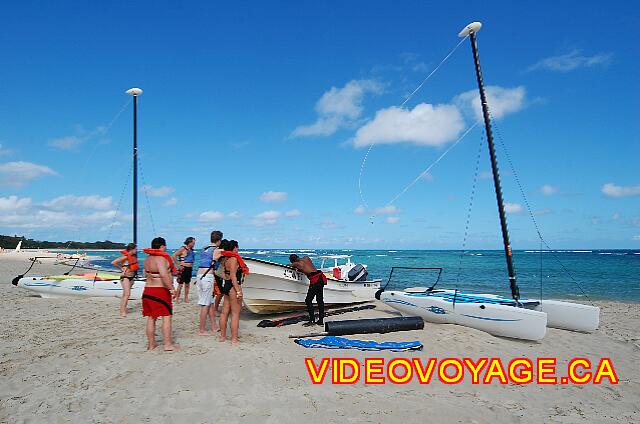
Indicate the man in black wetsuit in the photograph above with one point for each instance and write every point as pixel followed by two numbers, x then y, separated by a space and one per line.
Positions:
pixel 317 281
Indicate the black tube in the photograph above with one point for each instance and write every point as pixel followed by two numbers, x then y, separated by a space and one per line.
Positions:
pixel 515 291
pixel 376 325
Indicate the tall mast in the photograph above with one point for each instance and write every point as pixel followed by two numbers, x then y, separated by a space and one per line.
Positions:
pixel 471 30
pixel 135 92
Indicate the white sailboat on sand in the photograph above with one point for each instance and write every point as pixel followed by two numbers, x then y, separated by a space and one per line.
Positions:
pixel 94 283
pixel 498 315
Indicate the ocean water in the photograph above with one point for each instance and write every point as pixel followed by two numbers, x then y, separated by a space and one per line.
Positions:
pixel 567 274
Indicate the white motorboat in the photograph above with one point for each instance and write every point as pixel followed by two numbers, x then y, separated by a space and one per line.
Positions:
pixel 273 288
pixel 348 271
pixel 498 315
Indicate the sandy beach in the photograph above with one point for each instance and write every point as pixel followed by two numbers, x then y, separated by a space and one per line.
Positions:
pixel 75 360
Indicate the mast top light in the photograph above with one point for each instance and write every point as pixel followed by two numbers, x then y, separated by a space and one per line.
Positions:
pixel 472 27
pixel 134 91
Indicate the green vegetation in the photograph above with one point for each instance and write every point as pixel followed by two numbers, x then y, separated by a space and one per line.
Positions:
pixel 10 242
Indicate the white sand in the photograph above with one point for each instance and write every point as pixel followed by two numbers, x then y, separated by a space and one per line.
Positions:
pixel 75 361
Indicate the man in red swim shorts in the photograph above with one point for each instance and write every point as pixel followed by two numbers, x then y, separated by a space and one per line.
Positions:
pixel 158 292
pixel 317 281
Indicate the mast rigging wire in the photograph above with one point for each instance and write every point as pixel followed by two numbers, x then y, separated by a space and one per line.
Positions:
pixel 531 215
pixel 404 102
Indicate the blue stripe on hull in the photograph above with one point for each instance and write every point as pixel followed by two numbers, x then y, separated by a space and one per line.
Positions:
pixel 470 298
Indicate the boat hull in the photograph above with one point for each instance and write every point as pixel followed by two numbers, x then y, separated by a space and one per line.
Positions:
pixel 74 287
pixel 273 288
pixel 497 319
pixel 570 316
pixel 560 314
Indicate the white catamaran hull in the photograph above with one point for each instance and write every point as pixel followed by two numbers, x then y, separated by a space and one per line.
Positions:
pixel 73 287
pixel 496 319
pixel 274 288
pixel 570 316
pixel 495 314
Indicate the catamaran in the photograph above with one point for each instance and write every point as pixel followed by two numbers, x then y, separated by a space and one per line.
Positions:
pixel 90 284
pixel 498 315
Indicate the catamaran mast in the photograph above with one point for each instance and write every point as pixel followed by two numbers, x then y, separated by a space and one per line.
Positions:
pixel 471 30
pixel 135 92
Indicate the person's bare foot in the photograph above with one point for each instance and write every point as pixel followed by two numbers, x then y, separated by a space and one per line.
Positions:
pixel 123 314
pixel 205 333
pixel 222 339
pixel 235 342
pixel 151 347
pixel 172 348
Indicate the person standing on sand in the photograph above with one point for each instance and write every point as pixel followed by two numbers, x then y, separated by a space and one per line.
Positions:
pixel 128 264
pixel 158 292
pixel 205 283
pixel 185 257
pixel 317 281
pixel 234 269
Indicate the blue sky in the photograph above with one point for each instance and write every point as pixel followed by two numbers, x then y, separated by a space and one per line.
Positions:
pixel 256 117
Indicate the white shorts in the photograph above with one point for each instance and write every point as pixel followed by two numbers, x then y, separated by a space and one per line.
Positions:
pixel 205 290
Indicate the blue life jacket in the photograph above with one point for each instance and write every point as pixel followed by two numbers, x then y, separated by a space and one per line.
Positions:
pixel 206 258
pixel 189 257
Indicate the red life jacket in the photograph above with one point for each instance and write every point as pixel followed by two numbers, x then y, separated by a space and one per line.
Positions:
pixel 241 264
pixel 158 252
pixel 132 260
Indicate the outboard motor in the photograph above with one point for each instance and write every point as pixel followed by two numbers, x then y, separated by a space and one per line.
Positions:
pixel 358 273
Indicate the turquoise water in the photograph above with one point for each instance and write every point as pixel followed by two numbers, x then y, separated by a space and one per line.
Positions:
pixel 602 274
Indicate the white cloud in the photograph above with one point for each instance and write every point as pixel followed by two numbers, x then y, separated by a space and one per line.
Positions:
pixel 360 210
pixel 636 237
pixel 387 210
pixel 548 190
pixel 570 61
pixel 330 225
pixel 615 216
pixel 17 174
pixel 14 203
pixel 392 219
pixel 513 208
pixel 234 215
pixel 273 196
pixel 613 190
pixel 4 152
pixel 100 216
pixel 66 143
pixel 425 124
pixel 170 202
pixel 266 218
pixel 210 216
pixel 542 212
pixel 73 141
pixel 157 191
pixel 502 101
pixel 338 108
pixel 292 213
pixel 71 201
pixel 32 217
pixel 268 215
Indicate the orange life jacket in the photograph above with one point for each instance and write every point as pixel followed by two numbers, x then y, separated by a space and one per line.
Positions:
pixel 132 260
pixel 158 252
pixel 243 266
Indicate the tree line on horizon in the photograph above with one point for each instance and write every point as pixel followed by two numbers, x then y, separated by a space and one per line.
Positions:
pixel 10 242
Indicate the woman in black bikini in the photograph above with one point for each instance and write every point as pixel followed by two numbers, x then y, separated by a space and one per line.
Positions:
pixel 232 291
pixel 128 264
